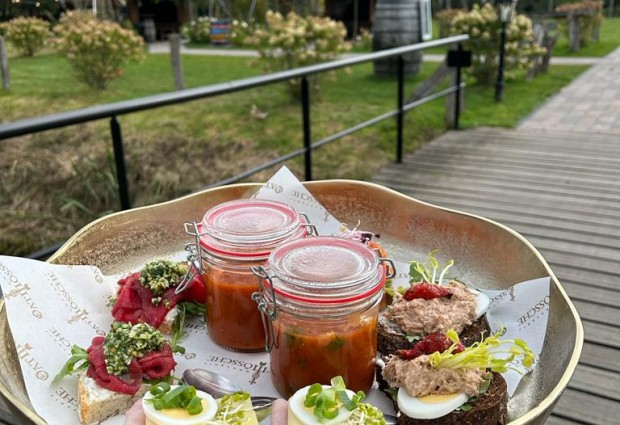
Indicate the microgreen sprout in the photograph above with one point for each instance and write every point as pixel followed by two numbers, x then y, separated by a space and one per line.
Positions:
pixel 481 355
pixel 231 408
pixel 327 401
pixel 427 272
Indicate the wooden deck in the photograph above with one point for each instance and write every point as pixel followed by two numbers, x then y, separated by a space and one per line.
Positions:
pixel 561 191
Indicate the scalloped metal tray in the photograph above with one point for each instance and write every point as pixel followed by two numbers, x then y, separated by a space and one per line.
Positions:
pixel 487 253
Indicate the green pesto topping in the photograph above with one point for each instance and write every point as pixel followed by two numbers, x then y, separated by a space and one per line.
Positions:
pixel 160 275
pixel 126 342
pixel 231 408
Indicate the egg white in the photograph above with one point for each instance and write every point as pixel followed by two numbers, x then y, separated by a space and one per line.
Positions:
pixel 482 302
pixel 301 415
pixel 159 417
pixel 421 408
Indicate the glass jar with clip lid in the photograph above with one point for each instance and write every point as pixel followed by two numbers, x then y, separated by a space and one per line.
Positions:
pixel 320 303
pixel 232 238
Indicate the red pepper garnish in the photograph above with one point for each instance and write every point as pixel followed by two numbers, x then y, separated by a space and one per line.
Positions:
pixel 437 342
pixel 427 291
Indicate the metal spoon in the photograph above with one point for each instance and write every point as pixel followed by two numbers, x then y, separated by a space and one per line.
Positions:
pixel 218 385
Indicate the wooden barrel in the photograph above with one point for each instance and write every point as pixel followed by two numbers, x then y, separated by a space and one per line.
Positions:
pixel 396 23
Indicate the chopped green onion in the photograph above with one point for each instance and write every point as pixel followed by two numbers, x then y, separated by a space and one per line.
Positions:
pixel 181 397
pixel 328 401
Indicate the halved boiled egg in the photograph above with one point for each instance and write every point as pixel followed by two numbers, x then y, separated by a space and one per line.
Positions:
pixel 298 414
pixel 482 302
pixel 179 416
pixel 430 406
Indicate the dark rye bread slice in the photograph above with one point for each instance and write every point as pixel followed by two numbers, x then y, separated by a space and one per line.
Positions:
pixel 490 408
pixel 390 337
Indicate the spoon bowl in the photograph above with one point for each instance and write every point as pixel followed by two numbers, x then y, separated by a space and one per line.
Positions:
pixel 210 382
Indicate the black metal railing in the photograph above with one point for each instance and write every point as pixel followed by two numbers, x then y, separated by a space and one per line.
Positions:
pixel 113 110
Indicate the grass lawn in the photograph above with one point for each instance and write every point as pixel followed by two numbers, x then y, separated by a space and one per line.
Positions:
pixel 55 182
pixel 608 42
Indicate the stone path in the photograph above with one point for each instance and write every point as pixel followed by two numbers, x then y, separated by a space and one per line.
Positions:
pixel 591 103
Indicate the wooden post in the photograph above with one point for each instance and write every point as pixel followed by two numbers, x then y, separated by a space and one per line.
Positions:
pixel 450 118
pixel 4 64
pixel 175 57
pixel 573 32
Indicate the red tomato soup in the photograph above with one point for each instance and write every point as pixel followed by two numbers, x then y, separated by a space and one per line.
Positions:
pixel 306 352
pixel 232 238
pixel 322 296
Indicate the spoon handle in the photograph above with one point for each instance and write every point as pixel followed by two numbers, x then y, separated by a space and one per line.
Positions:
pixel 262 406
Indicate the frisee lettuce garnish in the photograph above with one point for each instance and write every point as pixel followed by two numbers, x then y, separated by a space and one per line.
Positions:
pixel 427 272
pixel 482 354
pixel 182 397
pixel 326 402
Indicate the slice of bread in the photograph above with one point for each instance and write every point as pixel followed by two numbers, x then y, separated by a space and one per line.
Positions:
pixel 489 409
pixel 97 403
pixel 390 337
pixel 166 326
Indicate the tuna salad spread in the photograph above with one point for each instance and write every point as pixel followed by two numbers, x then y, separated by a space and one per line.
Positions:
pixel 454 310
pixel 419 378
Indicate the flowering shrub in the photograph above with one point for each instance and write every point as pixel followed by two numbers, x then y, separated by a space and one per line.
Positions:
pixel 483 26
pixel 589 16
pixel 27 35
pixel 98 51
pixel 293 41
pixel 240 31
pixel 197 31
pixel 444 20
pixel 364 39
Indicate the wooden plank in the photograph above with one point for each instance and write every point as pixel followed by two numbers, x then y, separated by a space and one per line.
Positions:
pixel 568 259
pixel 596 381
pixel 453 177
pixel 600 356
pixel 588 253
pixel 472 140
pixel 548 200
pixel 557 420
pixel 598 313
pixel 536 213
pixel 594 279
pixel 556 139
pixel 583 292
pixel 587 408
pixel 520 155
pixel 502 174
pixel 599 333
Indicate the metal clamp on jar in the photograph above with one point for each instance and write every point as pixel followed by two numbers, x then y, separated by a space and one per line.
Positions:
pixel 231 238
pixel 320 303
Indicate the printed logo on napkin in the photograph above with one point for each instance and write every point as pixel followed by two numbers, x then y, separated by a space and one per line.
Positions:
pixel 49 311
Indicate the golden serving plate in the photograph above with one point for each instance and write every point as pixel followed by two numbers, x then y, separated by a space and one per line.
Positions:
pixel 491 255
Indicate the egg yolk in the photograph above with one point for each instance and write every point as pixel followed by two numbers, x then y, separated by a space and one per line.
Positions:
pixel 437 398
